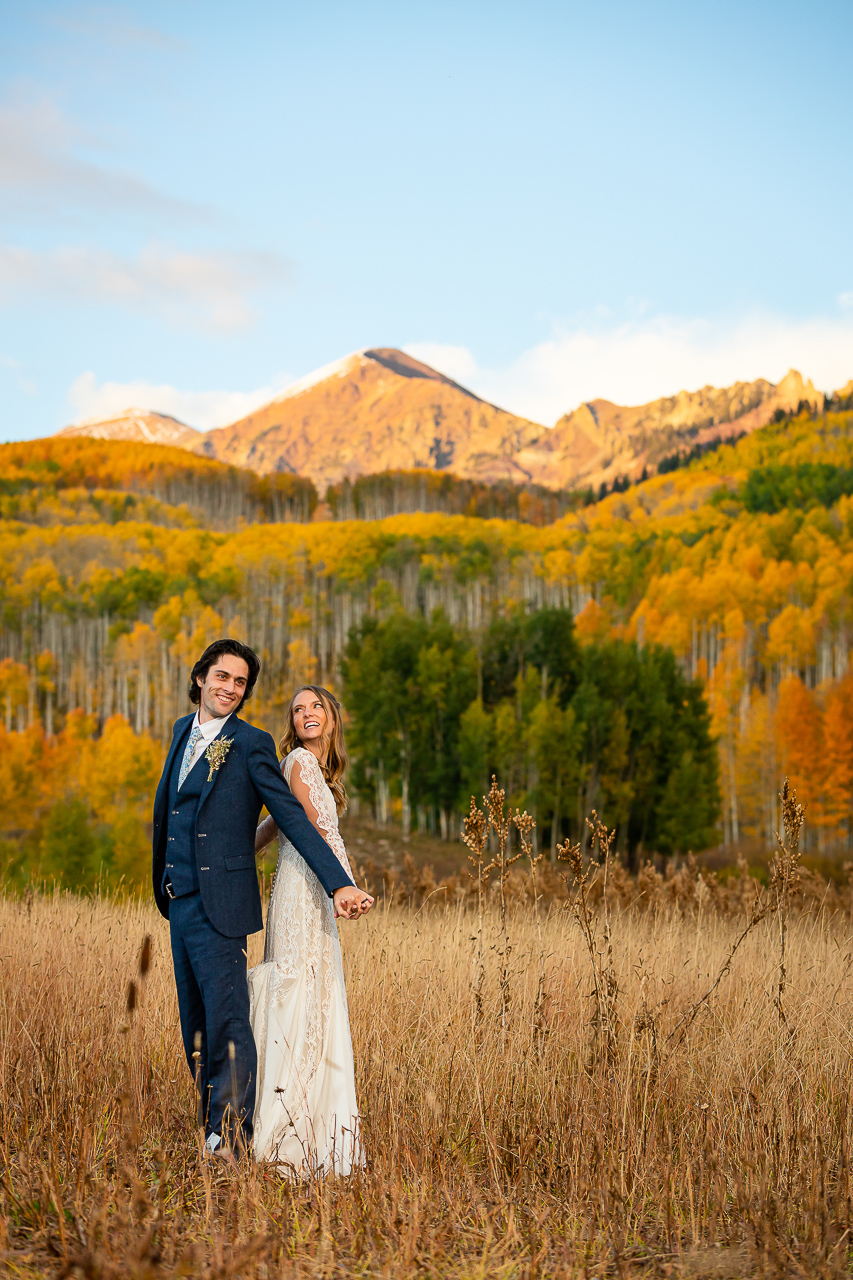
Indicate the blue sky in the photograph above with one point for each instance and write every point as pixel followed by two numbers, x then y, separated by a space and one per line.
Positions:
pixel 202 202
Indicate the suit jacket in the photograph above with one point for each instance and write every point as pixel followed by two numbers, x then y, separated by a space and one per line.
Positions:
pixel 226 821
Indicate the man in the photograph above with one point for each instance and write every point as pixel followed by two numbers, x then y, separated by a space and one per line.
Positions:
pixel 219 773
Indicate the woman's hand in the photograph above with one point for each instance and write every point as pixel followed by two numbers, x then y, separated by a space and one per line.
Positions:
pixel 351 903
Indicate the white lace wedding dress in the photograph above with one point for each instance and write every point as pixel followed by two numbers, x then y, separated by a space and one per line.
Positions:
pixel 306 1116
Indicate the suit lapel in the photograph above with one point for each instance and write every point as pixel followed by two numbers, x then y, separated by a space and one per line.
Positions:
pixel 229 730
pixel 179 741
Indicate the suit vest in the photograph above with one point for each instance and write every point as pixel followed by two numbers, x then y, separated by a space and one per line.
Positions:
pixel 181 866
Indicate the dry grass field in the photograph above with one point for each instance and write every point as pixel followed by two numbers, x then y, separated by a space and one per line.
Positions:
pixel 557 1134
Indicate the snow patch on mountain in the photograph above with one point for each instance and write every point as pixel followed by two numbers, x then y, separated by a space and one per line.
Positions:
pixel 337 369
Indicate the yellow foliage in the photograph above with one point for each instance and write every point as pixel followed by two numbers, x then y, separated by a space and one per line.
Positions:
pixel 790 639
pixel 301 663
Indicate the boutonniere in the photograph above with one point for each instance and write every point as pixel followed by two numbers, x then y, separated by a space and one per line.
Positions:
pixel 216 753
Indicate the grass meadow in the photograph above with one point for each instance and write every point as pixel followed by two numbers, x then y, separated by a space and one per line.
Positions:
pixel 546 1091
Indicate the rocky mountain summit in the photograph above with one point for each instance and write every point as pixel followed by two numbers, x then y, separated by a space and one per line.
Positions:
pixel 376 410
pixel 599 441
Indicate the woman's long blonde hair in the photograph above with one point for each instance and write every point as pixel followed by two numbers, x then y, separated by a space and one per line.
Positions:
pixel 333 739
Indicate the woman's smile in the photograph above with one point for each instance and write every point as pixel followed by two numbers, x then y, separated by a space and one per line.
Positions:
pixel 309 717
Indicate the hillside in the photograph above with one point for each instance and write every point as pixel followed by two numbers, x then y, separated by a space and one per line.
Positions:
pixel 142 426
pixel 78 480
pixel 69 479
pixel 377 410
pixel 600 441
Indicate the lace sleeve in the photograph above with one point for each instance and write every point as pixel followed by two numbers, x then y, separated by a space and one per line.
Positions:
pixel 309 786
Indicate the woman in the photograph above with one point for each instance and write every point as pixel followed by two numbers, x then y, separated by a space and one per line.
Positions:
pixel 306 1116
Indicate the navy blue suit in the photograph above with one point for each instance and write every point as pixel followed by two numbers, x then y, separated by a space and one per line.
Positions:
pixel 204 846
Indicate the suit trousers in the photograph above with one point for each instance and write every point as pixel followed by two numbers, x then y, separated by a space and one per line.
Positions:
pixel 213 999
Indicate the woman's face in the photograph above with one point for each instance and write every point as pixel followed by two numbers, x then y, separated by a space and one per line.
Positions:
pixel 309 717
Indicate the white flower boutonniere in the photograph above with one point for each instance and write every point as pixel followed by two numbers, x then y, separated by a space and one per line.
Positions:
pixel 216 753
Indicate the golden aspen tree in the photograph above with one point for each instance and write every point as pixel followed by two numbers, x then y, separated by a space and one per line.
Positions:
pixel 836 766
pixel 592 624
pixel 757 767
pixel 800 737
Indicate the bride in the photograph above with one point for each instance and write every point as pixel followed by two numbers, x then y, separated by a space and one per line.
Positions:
pixel 306 1115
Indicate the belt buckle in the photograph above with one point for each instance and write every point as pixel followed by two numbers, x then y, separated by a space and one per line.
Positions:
pixel 170 892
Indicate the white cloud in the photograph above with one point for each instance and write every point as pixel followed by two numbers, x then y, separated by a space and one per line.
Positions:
pixel 42 171
pixel 202 409
pixel 207 288
pixel 648 358
pixel 845 299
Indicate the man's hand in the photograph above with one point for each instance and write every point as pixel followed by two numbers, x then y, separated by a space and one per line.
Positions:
pixel 351 902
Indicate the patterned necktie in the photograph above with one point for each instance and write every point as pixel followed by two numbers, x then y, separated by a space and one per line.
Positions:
pixel 186 763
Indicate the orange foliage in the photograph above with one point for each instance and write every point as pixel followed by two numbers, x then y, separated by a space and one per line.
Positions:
pixel 800 737
pixel 816 748
pixel 837 763
pixel 592 623
pixel 110 779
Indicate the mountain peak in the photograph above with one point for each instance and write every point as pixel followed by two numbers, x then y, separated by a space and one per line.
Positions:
pixel 408 367
pixel 377 409
pixel 136 424
pixel 392 359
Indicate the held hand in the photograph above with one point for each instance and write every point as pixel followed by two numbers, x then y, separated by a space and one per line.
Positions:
pixel 351 903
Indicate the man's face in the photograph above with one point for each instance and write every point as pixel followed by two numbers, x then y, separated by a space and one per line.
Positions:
pixel 223 687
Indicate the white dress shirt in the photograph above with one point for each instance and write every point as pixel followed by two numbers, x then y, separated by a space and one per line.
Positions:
pixel 209 730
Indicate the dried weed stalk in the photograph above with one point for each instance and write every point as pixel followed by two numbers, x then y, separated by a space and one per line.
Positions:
pixel 475 834
pixel 476 830
pixel 501 823
pixel 784 881
pixel 758 910
pixel 599 946
pixel 524 824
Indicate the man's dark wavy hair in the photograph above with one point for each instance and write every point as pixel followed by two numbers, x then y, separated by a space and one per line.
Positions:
pixel 216 650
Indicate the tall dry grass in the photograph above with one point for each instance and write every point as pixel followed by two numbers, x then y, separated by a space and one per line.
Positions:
pixel 498 1144
pixel 648 1079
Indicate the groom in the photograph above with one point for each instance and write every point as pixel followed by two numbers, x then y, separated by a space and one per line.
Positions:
pixel 218 774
